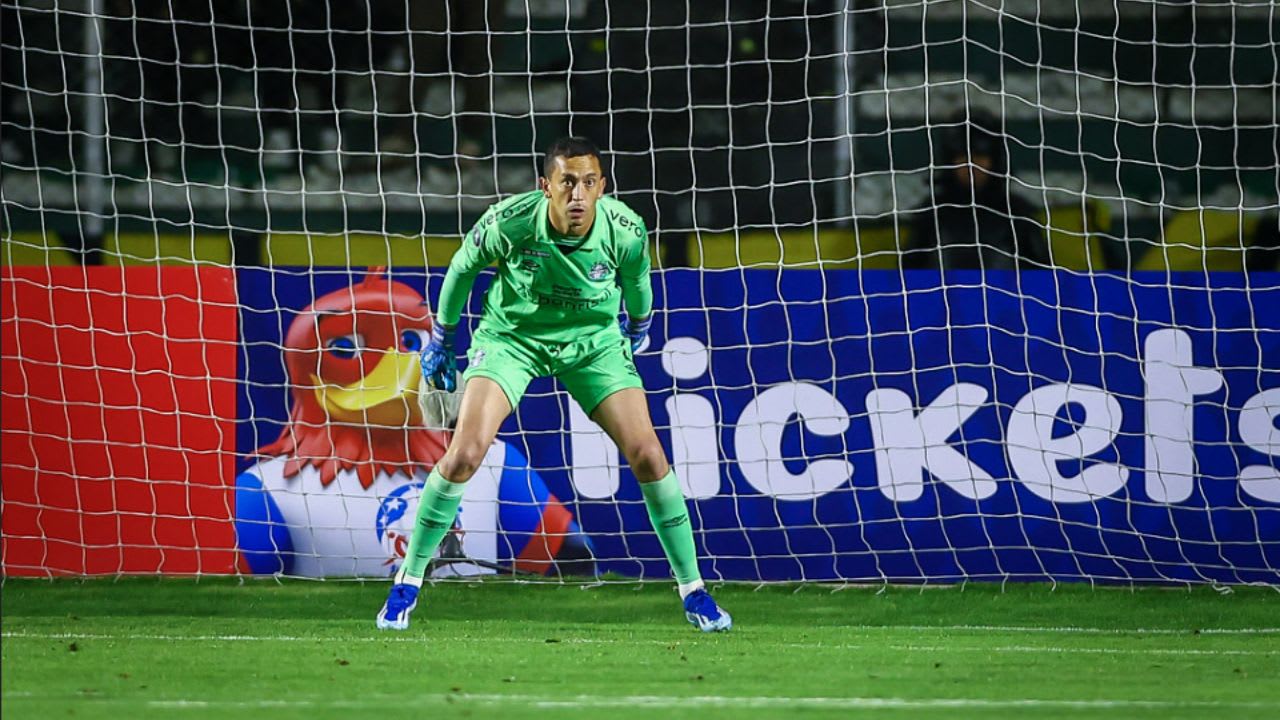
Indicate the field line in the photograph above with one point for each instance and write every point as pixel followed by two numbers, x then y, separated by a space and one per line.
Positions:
pixel 1077 630
pixel 1037 629
pixel 817 644
pixel 552 702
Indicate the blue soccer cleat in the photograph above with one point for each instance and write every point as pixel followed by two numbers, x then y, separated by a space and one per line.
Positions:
pixel 401 601
pixel 703 612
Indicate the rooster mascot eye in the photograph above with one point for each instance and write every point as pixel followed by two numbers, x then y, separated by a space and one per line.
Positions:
pixel 345 347
pixel 411 340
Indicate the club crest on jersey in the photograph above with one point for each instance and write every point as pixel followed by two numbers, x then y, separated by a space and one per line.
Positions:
pixel 599 271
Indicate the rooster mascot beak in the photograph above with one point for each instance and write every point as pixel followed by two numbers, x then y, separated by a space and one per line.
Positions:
pixel 387 396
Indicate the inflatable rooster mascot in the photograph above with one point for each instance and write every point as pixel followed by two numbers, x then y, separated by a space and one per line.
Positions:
pixel 336 494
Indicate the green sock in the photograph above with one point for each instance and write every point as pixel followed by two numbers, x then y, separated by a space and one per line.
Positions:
pixel 437 509
pixel 670 517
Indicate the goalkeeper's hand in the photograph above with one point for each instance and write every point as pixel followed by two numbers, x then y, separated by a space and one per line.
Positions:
pixel 637 331
pixel 439 362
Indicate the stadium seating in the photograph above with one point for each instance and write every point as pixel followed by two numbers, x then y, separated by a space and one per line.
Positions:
pixel 343 250
pixel 1072 235
pixel 35 248
pixel 1200 240
pixel 872 248
pixel 166 248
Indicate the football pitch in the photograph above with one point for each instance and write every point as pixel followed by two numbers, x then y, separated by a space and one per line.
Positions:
pixel 220 648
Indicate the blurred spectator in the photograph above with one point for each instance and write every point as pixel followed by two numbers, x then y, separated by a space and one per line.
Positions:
pixel 971 221
pixel 450 44
pixel 170 69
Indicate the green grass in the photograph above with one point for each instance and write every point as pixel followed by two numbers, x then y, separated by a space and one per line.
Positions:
pixel 175 648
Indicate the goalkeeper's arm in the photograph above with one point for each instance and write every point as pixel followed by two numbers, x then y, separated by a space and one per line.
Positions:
pixel 637 292
pixel 479 248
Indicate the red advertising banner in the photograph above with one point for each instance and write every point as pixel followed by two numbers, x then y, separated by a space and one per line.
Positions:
pixel 118 422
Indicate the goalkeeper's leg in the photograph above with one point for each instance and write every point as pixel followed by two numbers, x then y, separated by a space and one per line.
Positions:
pixel 625 416
pixel 484 406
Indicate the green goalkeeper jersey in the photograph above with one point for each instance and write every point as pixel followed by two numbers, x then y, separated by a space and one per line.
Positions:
pixel 551 287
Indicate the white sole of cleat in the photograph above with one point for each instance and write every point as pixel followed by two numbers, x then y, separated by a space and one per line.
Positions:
pixel 391 625
pixel 724 624
pixel 403 624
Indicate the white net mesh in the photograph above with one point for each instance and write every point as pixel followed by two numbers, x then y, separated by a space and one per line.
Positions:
pixel 947 290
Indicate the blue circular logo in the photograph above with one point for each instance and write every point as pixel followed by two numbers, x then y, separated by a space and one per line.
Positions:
pixel 394 523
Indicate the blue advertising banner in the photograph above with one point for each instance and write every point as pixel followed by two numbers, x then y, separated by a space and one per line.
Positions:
pixel 834 425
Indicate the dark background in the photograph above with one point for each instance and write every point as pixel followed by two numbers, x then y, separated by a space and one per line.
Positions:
pixel 718 115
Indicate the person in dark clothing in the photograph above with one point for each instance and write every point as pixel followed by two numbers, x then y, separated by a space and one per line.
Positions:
pixel 1264 254
pixel 971 221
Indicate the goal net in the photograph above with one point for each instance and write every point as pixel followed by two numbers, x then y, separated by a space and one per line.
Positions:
pixel 945 290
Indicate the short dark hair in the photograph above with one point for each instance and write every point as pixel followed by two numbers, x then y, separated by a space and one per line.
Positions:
pixel 567 147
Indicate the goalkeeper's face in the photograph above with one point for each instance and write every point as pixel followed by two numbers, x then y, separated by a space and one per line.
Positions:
pixel 575 184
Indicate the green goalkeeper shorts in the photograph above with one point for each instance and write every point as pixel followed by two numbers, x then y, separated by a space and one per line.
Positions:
pixel 591 368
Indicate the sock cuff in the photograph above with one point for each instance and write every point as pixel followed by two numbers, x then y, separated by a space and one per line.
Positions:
pixel 665 490
pixel 402 576
pixel 438 484
pixel 688 588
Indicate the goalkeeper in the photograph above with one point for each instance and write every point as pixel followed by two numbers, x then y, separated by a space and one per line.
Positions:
pixel 567 255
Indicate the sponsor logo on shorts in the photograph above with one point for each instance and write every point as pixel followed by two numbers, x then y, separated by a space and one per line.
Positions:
pixel 477 359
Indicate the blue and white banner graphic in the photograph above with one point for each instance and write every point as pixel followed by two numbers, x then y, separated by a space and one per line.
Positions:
pixel 845 426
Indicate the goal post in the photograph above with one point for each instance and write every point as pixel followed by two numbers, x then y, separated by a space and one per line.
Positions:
pixel 946 291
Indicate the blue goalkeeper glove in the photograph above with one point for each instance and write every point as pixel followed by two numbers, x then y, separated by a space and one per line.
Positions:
pixel 637 331
pixel 439 362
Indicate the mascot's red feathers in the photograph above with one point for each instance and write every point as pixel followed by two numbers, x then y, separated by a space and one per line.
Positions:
pixel 334 346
